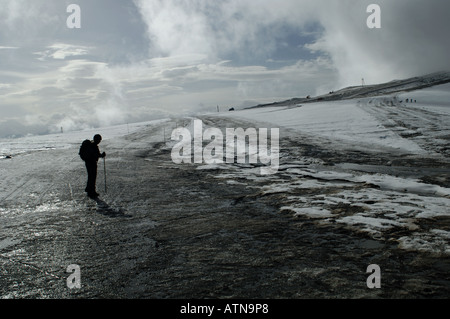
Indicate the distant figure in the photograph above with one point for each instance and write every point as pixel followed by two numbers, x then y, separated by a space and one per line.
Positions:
pixel 90 153
pixel 232 109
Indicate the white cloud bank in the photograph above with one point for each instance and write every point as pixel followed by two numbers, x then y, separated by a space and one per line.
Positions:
pixel 142 59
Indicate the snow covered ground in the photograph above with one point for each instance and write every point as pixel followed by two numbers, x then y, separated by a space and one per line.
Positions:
pixel 385 199
pixel 376 167
pixel 24 145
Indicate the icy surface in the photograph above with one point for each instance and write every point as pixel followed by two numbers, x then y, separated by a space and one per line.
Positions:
pixel 376 167
pixel 382 201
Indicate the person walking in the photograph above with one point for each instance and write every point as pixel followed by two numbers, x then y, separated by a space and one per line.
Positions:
pixel 90 153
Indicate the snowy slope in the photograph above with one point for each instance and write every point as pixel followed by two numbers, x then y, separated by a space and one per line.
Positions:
pixel 24 145
pixel 393 202
pixel 363 91
pixel 343 121
pixel 359 181
pixel 385 201
pixel 375 121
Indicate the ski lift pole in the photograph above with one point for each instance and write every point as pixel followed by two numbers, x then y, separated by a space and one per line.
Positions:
pixel 104 172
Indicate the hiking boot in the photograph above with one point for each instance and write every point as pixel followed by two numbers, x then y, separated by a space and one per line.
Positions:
pixel 93 195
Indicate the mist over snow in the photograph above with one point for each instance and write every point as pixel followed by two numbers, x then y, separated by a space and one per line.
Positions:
pixel 141 60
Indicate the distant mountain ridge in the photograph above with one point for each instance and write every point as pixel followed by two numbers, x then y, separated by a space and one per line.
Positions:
pixel 395 86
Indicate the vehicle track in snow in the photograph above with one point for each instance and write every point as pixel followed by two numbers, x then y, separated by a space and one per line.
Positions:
pixel 427 128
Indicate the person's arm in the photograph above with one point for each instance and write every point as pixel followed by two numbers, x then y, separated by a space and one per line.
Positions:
pixel 100 154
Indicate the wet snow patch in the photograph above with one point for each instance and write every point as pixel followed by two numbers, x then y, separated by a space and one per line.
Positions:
pixel 382 206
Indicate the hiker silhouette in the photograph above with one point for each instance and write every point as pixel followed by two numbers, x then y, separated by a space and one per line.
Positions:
pixel 90 153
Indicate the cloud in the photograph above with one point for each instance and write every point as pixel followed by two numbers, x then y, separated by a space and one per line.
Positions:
pixel 133 60
pixel 199 43
pixel 218 28
pixel 60 51
pixel 412 40
pixel 24 22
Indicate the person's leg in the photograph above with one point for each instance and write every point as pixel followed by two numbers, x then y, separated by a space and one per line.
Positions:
pixel 92 177
pixel 88 183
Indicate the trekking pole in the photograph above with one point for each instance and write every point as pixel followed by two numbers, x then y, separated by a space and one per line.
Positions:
pixel 104 171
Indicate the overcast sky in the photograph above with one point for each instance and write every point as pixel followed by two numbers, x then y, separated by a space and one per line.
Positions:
pixel 143 59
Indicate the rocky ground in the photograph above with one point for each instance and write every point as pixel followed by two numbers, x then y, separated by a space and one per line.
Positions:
pixel 164 230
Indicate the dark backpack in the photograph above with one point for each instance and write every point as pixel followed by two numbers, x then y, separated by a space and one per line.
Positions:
pixel 84 149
